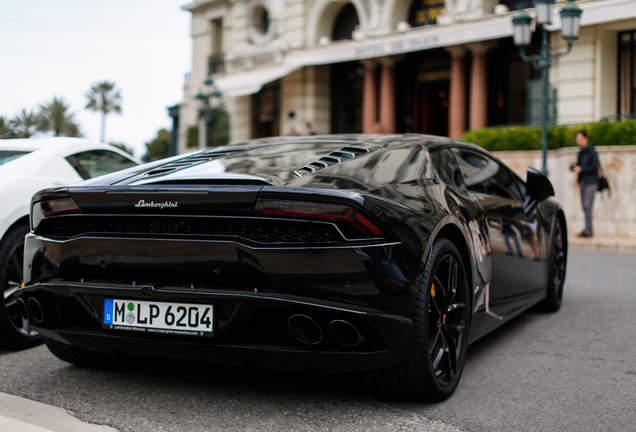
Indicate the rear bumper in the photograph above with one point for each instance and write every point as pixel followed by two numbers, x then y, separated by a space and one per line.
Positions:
pixel 255 291
pixel 250 328
pixel 269 358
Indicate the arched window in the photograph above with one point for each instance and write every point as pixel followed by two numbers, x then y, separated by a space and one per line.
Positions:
pixel 260 19
pixel 346 22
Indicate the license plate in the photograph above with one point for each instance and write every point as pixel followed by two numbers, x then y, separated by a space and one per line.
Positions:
pixel 159 317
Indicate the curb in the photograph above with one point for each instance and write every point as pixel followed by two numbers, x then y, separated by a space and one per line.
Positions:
pixel 23 415
pixel 603 244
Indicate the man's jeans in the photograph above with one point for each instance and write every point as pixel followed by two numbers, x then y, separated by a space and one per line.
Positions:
pixel 588 191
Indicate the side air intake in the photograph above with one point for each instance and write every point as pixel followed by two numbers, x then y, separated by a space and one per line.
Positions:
pixel 195 159
pixel 334 158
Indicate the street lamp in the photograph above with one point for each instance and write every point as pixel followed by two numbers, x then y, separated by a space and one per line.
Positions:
pixel 208 98
pixel 570 25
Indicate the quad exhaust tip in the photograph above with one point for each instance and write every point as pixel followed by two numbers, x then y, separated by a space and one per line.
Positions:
pixel 344 333
pixel 306 330
pixel 35 310
pixel 22 308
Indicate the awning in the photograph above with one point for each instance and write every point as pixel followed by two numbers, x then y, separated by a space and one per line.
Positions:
pixel 246 83
pixel 417 39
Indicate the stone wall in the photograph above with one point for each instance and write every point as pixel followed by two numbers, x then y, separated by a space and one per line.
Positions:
pixel 614 213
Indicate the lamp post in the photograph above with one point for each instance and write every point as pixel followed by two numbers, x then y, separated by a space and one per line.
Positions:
pixel 570 25
pixel 208 98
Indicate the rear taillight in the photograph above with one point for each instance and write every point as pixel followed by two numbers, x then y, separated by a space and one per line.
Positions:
pixel 351 222
pixel 45 209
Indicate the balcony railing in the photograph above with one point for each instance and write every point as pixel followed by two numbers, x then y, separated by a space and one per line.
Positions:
pixel 619 117
pixel 216 64
pixel 514 5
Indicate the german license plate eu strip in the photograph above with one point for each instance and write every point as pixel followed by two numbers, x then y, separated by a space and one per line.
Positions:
pixel 159 317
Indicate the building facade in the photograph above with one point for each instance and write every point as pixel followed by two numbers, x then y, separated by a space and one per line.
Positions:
pixel 428 66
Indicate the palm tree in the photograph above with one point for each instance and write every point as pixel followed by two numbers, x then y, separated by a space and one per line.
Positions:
pixel 5 129
pixel 24 124
pixel 55 117
pixel 104 97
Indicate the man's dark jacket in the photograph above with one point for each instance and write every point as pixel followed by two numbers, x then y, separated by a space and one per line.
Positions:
pixel 588 161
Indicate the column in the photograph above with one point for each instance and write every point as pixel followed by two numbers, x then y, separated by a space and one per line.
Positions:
pixel 369 96
pixel 387 95
pixel 457 93
pixel 478 86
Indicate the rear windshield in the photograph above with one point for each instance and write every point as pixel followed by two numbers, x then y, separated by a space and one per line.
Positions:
pixel 9 155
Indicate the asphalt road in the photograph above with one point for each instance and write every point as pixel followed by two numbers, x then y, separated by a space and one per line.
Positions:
pixel 570 371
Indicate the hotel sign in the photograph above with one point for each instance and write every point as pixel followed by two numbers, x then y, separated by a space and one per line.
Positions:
pixel 398 46
pixel 425 12
pixel 416 39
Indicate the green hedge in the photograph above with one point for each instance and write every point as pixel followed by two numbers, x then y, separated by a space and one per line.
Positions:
pixel 529 137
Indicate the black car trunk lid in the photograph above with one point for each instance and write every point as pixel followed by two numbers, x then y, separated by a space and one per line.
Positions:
pixel 165 199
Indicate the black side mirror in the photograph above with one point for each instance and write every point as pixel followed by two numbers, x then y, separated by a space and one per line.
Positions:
pixel 538 188
pixel 538 185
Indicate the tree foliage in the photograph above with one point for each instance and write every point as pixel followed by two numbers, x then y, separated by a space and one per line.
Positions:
pixel 55 117
pixel 218 130
pixel 159 147
pixel 192 137
pixel 601 133
pixel 105 98
pixel 123 147
pixel 24 124
pixel 5 130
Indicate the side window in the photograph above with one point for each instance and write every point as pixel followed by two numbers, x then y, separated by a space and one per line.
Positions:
pixel 9 155
pixel 94 163
pixel 447 168
pixel 485 175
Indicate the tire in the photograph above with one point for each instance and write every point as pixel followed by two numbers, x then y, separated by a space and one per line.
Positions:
pixel 557 263
pixel 434 363
pixel 81 357
pixel 15 332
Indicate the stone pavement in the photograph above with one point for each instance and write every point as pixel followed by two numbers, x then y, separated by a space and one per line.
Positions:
pixel 22 415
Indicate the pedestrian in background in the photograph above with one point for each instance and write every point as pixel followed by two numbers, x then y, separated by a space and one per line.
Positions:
pixel 586 167
pixel 309 129
pixel 292 132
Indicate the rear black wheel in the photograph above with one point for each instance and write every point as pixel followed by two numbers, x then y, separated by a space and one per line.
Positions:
pixel 433 366
pixel 557 262
pixel 15 332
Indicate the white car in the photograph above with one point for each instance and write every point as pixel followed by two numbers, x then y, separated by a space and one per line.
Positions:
pixel 27 166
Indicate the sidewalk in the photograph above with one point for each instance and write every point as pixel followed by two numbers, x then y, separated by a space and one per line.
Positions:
pixel 23 415
pixel 603 244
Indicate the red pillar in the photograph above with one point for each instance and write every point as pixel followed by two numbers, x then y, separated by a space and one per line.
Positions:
pixel 478 86
pixel 369 97
pixel 387 95
pixel 457 93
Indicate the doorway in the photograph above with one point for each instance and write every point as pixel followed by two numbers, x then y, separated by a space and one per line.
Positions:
pixel 422 90
pixel 430 107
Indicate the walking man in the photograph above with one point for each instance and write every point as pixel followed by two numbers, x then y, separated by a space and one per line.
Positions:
pixel 587 169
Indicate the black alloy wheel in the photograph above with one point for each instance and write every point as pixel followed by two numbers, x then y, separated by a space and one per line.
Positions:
pixel 557 263
pixel 441 322
pixel 447 319
pixel 15 332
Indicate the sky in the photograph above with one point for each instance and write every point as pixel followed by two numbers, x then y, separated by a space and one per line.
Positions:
pixel 61 47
